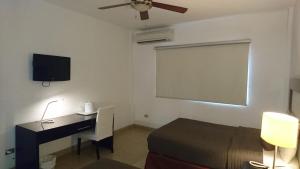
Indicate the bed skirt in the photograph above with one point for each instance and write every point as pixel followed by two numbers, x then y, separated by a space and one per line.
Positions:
pixel 156 161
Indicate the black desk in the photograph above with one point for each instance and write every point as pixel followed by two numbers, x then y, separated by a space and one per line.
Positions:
pixel 30 135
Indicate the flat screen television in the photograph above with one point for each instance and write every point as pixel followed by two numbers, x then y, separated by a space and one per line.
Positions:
pixel 49 68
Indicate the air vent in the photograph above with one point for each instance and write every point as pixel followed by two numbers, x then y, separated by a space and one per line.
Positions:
pixel 154 36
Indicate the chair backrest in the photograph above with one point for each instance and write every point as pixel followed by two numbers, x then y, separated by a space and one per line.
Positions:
pixel 104 122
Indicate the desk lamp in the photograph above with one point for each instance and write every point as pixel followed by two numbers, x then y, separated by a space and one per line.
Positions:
pixel 279 130
pixel 47 121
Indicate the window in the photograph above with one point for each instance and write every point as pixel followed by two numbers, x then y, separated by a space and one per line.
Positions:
pixel 212 72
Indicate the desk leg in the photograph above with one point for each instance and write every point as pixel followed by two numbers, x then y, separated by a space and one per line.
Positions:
pixel 27 149
pixel 78 145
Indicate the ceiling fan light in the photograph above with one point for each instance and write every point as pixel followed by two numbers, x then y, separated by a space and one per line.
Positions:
pixel 141 5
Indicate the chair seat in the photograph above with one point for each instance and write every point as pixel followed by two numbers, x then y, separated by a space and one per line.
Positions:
pixel 108 164
pixel 90 135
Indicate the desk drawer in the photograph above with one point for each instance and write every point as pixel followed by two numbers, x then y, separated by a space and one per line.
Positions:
pixel 64 131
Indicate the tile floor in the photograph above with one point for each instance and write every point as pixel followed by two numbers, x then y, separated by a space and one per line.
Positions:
pixel 130 148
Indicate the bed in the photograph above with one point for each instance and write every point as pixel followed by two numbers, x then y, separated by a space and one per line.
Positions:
pixel 191 144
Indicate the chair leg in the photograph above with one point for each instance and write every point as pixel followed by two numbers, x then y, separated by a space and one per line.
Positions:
pixel 78 145
pixel 112 149
pixel 113 135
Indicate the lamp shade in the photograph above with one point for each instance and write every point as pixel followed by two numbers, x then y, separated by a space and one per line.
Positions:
pixel 280 129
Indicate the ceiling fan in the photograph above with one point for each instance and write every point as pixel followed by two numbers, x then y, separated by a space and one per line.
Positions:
pixel 144 5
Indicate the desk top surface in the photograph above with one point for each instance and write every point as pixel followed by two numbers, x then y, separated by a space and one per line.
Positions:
pixel 37 126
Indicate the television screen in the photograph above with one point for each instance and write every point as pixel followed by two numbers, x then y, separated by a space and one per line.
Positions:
pixel 49 68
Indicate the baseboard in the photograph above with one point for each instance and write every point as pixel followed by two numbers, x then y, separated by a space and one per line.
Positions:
pixel 124 128
pixel 143 127
pixel 145 124
pixel 72 149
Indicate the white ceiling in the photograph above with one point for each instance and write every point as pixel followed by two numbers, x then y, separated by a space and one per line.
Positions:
pixel 198 9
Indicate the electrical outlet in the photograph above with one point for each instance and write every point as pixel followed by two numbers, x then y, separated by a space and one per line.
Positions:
pixel 9 151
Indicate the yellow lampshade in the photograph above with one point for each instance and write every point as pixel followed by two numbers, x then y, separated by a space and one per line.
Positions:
pixel 280 129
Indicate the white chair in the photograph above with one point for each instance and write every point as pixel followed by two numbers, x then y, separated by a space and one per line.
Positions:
pixel 103 132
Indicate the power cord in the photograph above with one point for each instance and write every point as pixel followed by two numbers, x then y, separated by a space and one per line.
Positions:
pixel 46 84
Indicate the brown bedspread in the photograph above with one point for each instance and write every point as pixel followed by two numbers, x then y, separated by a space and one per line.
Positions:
pixel 245 146
pixel 205 144
pixel 193 141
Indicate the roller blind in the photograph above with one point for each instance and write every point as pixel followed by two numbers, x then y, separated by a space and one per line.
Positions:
pixel 213 72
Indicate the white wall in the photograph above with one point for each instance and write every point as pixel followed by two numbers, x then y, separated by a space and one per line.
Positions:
pixel 269 71
pixel 295 61
pixel 101 66
pixel 295 68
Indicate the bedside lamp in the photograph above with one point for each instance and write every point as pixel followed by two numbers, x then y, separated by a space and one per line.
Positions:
pixel 47 121
pixel 279 130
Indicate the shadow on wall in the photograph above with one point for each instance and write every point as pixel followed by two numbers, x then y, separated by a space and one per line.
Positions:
pixel 6 140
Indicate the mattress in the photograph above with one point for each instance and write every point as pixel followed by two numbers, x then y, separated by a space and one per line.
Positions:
pixel 206 144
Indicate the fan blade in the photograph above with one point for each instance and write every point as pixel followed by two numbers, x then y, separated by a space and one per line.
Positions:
pixel 114 6
pixel 169 7
pixel 144 15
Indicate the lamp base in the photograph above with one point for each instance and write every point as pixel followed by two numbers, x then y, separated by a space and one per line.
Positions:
pixel 47 121
pixel 274 157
